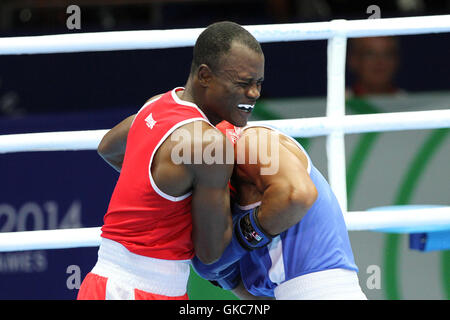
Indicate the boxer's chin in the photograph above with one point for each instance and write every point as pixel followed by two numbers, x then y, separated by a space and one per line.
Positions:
pixel 242 113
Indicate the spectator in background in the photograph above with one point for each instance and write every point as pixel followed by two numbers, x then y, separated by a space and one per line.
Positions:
pixel 9 103
pixel 373 62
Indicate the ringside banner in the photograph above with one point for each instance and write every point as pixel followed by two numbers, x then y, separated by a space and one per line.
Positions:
pixel 52 190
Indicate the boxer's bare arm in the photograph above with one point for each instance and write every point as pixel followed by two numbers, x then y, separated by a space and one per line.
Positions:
pixel 112 146
pixel 287 190
pixel 211 215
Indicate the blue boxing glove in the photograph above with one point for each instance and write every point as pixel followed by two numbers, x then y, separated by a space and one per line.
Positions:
pixel 227 278
pixel 249 232
pixel 247 235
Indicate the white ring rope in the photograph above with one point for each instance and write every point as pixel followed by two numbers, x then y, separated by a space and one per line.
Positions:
pixel 334 126
pixel 302 127
pixel 51 141
pixel 418 219
pixel 158 39
pixel 50 239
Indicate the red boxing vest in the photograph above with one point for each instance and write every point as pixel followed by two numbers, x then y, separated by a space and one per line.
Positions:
pixel 140 216
pixel 232 133
pixel 229 130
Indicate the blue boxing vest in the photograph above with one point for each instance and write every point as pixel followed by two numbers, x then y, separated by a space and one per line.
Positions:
pixel 318 242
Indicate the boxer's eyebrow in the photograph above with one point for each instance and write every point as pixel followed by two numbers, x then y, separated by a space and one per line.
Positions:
pixel 250 79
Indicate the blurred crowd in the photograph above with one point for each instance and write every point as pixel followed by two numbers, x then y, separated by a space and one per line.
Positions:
pixel 24 16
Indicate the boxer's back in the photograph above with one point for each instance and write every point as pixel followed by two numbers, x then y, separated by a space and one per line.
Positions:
pixel 318 242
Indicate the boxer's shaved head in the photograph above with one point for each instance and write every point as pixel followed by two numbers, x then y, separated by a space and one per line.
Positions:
pixel 215 41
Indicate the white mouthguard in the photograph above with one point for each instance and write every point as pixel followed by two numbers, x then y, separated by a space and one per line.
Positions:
pixel 246 107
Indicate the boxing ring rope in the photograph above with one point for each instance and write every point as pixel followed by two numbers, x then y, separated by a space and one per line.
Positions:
pixel 419 220
pixel 300 127
pixel 159 39
pixel 335 125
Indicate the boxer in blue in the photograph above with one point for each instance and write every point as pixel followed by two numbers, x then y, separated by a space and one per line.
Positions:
pixel 287 246
pixel 289 237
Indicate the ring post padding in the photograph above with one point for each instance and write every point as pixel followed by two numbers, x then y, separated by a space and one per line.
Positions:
pixel 335 143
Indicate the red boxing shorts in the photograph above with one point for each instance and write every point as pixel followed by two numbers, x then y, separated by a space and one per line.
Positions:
pixel 122 275
pixel 95 287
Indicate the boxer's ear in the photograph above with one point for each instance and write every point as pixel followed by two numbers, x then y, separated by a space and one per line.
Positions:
pixel 204 75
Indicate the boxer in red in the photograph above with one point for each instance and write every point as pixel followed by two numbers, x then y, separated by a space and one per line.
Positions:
pixel 162 212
